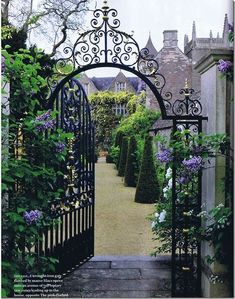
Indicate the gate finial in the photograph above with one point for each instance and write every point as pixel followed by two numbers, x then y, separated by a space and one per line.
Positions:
pixel 105 5
pixel 186 83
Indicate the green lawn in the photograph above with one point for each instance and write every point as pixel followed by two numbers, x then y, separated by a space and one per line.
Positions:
pixel 121 226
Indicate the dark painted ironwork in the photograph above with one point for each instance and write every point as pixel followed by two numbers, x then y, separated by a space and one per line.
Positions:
pixel 186 250
pixel 104 45
pixel 72 240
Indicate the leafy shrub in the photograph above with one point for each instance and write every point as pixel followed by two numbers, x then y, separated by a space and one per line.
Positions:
pixel 123 156
pixel 131 169
pixel 139 122
pixel 104 118
pixel 147 190
pixel 30 172
pixel 114 154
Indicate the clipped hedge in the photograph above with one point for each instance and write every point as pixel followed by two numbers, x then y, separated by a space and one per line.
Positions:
pixel 131 169
pixel 148 190
pixel 123 156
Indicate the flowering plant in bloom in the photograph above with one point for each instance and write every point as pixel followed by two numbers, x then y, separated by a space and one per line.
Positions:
pixel 44 122
pixel 192 154
pixel 32 217
pixel 164 156
pixel 193 164
pixel 226 68
pixel 60 147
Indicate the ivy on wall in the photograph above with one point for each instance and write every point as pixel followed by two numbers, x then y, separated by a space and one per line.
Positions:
pixel 105 119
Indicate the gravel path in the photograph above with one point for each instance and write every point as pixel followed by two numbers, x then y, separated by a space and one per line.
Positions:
pixel 121 226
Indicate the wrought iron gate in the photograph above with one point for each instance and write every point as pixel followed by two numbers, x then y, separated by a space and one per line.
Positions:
pixel 104 45
pixel 72 240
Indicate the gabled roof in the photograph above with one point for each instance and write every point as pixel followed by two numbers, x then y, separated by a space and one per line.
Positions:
pixel 104 83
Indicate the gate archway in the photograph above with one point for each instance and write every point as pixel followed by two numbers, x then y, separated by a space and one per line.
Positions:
pixel 106 46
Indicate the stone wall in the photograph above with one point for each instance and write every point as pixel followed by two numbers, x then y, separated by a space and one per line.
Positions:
pixel 216 95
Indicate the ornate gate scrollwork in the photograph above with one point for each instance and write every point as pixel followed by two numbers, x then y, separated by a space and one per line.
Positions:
pixel 104 45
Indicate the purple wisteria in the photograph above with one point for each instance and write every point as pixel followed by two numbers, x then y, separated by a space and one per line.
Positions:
pixel 32 217
pixel 193 165
pixel 44 122
pixel 165 156
pixel 59 147
pixel 225 66
pixel 44 116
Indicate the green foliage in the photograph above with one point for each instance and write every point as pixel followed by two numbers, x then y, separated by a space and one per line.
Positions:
pixel 114 154
pixel 131 168
pixel 147 190
pixel 12 37
pixel 139 122
pixel 31 170
pixel 217 228
pixel 218 233
pixel 136 124
pixel 103 116
pixel 123 156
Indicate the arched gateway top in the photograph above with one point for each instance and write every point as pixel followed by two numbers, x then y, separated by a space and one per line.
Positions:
pixel 104 45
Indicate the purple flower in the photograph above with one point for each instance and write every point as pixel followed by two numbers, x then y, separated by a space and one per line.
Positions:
pixel 164 156
pixel 225 66
pixel 32 216
pixel 44 122
pixel 44 116
pixel 183 180
pixel 50 124
pixel 60 146
pixel 230 28
pixel 193 165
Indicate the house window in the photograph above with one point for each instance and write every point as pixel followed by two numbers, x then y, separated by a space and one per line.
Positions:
pixel 86 88
pixel 120 86
pixel 119 109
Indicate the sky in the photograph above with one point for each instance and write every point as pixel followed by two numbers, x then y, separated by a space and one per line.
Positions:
pixel 146 17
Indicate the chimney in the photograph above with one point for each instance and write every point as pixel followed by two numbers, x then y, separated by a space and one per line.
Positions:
pixel 170 38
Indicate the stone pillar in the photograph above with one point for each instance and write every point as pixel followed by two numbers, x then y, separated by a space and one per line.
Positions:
pixel 216 98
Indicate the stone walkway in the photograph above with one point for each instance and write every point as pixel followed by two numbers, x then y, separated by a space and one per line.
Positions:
pixel 120 277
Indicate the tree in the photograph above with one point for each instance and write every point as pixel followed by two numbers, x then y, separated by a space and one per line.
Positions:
pixel 123 156
pixel 52 19
pixel 131 169
pixel 147 190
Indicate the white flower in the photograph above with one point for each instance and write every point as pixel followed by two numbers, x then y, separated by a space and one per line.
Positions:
pixel 156 215
pixel 170 183
pixel 153 224
pixel 165 191
pixel 168 173
pixel 162 216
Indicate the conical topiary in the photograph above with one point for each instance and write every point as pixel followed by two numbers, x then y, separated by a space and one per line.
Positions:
pixel 147 190
pixel 118 142
pixel 131 169
pixel 123 155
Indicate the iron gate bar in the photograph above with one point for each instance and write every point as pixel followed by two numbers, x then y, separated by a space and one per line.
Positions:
pixel 104 45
